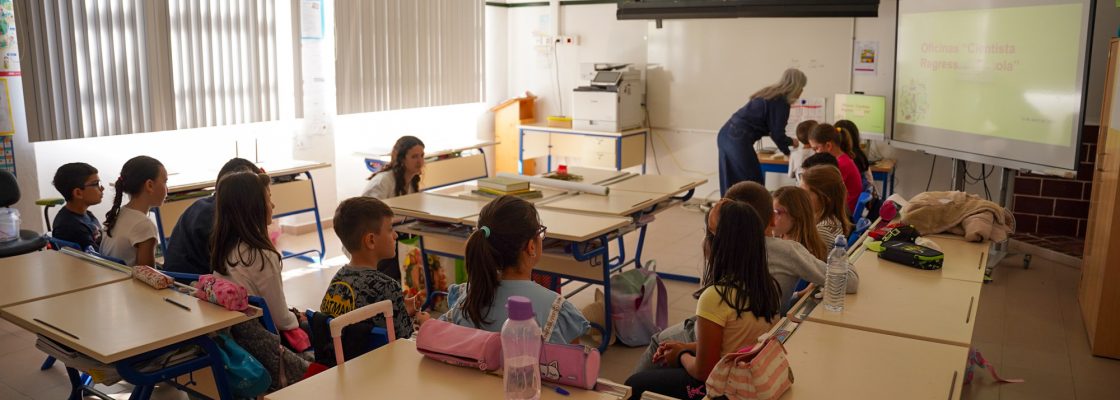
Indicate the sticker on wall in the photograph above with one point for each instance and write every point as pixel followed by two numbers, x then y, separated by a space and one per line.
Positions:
pixel 9 52
pixel 7 155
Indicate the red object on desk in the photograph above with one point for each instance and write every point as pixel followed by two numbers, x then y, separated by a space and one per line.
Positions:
pixel 562 169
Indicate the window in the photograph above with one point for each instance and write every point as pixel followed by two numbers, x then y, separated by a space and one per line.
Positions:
pixel 397 54
pixel 111 67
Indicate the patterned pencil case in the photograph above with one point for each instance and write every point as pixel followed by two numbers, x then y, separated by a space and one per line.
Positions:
pixel 152 277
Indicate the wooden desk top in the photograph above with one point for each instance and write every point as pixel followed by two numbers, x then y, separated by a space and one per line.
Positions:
pixel 122 319
pixel 964 260
pixel 908 302
pixel 543 126
pixel 883 165
pixel 572 227
pixel 466 191
pixel 618 202
pixel 839 363
pixel 205 177
pixel 43 274
pixel 433 207
pixel 399 371
pixel 661 184
pixel 595 176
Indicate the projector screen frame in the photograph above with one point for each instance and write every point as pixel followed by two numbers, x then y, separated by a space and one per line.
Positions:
pixel 1009 163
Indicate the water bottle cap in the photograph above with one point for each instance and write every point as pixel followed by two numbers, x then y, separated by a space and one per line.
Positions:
pixel 840 241
pixel 519 308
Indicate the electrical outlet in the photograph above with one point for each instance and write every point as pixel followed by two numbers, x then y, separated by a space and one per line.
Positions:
pixel 567 40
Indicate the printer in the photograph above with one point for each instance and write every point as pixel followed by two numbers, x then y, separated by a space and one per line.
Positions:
pixel 610 102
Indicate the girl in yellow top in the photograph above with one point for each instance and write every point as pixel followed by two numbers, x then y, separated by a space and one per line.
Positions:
pixel 739 302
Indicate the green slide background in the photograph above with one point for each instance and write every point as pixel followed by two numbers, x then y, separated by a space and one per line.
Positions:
pixel 1031 94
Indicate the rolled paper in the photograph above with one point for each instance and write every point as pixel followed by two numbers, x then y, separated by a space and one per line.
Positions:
pixel 559 184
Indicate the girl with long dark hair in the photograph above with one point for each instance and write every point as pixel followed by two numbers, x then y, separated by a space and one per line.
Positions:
pixel 129 234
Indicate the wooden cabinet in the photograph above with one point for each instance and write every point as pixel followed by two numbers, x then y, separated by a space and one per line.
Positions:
pixel 508 117
pixel 1100 271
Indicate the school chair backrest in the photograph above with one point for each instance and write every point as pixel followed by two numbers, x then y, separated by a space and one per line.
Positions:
pixel 861 206
pixel 384 307
pixel 255 301
pixel 860 228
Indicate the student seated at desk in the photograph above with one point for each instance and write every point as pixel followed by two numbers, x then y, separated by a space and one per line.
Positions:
pixel 739 302
pixel 189 251
pixel 364 225
pixel 832 140
pixel 243 254
pixel 500 256
pixel 794 220
pixel 815 160
pixel 827 193
pixel 798 156
pixel 858 156
pixel 400 177
pixel 80 187
pixel 129 234
pixel 787 260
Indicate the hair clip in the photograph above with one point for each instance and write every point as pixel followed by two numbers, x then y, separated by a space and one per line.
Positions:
pixel 485 231
pixel 838 129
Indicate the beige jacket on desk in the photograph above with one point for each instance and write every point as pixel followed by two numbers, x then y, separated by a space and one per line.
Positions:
pixel 961 214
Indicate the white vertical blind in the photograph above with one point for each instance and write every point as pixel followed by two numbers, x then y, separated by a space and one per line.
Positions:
pixel 111 67
pixel 396 54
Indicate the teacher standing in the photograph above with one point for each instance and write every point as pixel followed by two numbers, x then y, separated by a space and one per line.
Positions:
pixel 767 113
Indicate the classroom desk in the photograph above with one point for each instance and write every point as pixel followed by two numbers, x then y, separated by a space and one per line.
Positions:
pixel 831 362
pixel 289 197
pixel 398 371
pixel 121 319
pixel 43 274
pixel 615 150
pixel 964 260
pixel 882 170
pixel 908 302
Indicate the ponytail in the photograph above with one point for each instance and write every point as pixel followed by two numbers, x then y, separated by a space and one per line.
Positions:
pixel 135 173
pixel 115 210
pixel 845 141
pixel 505 227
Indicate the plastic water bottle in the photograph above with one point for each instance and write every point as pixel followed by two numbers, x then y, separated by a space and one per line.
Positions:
pixel 521 351
pixel 9 224
pixel 836 277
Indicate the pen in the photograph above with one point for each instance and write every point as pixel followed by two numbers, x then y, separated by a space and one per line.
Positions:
pixel 177 304
pixel 555 388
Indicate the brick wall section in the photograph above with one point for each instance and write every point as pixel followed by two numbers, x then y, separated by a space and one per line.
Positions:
pixel 1056 206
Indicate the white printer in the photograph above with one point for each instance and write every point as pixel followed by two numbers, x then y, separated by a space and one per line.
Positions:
pixel 611 102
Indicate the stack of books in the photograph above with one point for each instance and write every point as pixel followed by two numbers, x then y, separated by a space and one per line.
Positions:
pixel 500 186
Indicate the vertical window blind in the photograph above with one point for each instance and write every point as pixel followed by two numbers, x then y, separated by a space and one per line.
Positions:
pixel 397 54
pixel 110 67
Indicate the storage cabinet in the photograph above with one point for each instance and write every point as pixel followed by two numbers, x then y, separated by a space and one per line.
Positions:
pixel 1100 271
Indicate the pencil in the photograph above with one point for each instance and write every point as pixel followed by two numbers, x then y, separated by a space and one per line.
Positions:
pixel 177 304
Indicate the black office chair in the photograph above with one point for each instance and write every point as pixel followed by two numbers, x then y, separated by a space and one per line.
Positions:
pixel 28 241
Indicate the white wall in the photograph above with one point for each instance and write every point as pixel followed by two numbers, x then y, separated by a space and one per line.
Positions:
pixel 691 151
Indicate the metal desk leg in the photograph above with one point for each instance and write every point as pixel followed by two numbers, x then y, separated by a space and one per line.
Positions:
pixel 318 221
pixel 159 228
pixel 429 288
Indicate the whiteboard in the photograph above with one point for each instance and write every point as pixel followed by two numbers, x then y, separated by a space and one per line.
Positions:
pixel 699 72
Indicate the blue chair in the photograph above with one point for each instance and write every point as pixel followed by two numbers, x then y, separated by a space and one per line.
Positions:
pixel 861 206
pixel 860 228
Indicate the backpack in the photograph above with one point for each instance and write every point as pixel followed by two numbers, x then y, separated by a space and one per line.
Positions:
pixel 633 311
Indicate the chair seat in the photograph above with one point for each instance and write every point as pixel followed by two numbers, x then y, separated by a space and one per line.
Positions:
pixel 27 242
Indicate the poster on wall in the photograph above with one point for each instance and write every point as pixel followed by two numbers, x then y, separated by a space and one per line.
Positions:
pixel 804 110
pixel 9 53
pixel 310 19
pixel 866 61
pixel 7 125
pixel 7 155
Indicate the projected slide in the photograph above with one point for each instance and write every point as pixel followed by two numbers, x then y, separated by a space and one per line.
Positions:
pixel 1016 65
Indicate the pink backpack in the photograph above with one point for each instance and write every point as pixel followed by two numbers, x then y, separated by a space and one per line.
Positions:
pixel 460 345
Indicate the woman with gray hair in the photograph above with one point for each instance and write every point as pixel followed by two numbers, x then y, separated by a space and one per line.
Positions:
pixel 766 113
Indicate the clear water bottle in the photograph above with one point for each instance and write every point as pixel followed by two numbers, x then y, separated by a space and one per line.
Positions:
pixel 9 224
pixel 521 351
pixel 836 277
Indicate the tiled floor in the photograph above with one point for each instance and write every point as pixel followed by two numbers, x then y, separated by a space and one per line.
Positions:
pixel 1028 325
pixel 1063 244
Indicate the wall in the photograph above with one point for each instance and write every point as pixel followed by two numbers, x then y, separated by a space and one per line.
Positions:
pixel 1053 206
pixel 689 151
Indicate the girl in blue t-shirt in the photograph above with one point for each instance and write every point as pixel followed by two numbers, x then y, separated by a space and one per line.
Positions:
pixel 500 256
